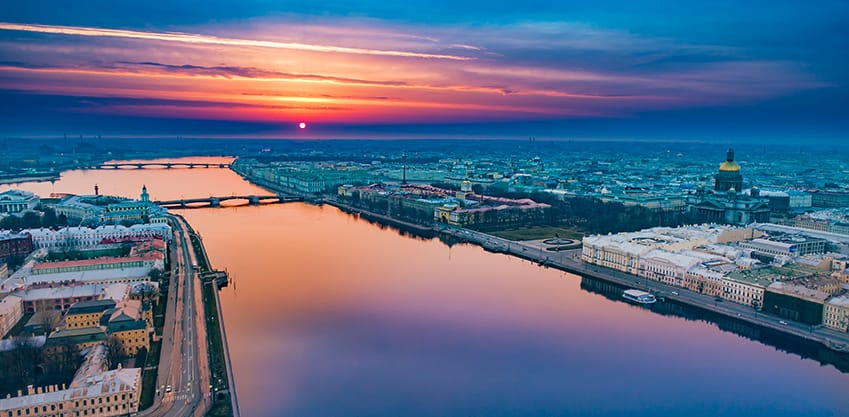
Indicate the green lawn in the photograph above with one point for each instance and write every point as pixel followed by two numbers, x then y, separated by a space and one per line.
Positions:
pixel 535 233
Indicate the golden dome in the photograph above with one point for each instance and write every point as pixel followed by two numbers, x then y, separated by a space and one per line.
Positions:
pixel 729 166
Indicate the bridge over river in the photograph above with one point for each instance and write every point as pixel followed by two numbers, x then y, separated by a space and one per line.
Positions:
pixel 213 201
pixel 159 165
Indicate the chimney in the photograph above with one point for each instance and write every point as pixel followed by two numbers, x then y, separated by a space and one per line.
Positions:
pixel 38 390
pixel 20 393
pixel 63 387
pixel 30 390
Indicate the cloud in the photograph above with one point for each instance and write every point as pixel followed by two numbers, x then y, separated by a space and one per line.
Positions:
pixel 214 40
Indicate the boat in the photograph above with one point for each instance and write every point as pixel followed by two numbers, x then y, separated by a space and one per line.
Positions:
pixel 638 296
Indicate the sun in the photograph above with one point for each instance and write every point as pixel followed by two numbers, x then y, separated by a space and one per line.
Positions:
pixel 302 125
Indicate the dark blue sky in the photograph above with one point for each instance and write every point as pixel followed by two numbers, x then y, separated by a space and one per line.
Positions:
pixel 650 69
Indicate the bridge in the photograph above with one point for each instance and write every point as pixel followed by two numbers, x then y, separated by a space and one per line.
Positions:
pixel 252 200
pixel 160 165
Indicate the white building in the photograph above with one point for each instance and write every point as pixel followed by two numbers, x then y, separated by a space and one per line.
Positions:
pixel 74 238
pixel 11 310
pixel 743 291
pixel 94 391
pixel 836 313
pixel 623 251
pixel 16 201
pixel 670 267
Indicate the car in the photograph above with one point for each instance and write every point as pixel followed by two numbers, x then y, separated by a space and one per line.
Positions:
pixel 168 388
pixel 674 293
pixel 782 322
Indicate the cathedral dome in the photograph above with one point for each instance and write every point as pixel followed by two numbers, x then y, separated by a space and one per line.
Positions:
pixel 729 165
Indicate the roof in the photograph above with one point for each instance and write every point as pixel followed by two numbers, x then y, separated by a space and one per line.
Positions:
pixel 798 291
pixel 92 306
pixel 841 301
pixel 81 335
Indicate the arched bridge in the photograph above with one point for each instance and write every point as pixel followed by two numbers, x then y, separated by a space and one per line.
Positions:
pixel 252 200
pixel 160 165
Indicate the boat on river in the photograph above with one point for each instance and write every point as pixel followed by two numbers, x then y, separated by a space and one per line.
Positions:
pixel 639 297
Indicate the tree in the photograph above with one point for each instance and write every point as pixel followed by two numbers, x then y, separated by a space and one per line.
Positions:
pixel 30 220
pixel 116 353
pixel 49 218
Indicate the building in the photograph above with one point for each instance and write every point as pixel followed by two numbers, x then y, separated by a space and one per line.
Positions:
pixel 623 251
pixel 150 262
pixel 704 280
pixel 670 267
pixel 96 209
pixel 726 203
pixel 127 323
pixel 836 313
pixel 24 278
pixel 728 177
pixel 790 246
pixel 15 245
pixel 743 288
pixel 78 238
pixel 11 311
pixel 87 313
pixel 795 302
pixel 17 201
pixel 829 199
pixel 832 221
pixel 79 339
pixel 62 297
pixel 94 391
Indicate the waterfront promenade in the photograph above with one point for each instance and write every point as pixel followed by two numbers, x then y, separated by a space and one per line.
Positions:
pixel 569 261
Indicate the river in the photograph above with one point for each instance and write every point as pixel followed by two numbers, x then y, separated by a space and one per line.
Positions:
pixel 330 315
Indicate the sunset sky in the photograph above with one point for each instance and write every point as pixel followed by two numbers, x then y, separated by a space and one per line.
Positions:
pixel 657 69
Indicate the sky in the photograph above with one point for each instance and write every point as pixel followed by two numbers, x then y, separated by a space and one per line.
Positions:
pixel 656 69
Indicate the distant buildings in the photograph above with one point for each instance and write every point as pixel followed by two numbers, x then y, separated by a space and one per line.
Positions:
pixel 832 221
pixel 100 209
pixel 427 204
pixel 17 201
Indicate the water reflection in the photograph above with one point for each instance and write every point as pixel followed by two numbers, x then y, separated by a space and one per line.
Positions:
pixel 787 343
pixel 331 315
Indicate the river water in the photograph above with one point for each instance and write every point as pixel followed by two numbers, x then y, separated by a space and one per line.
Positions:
pixel 330 315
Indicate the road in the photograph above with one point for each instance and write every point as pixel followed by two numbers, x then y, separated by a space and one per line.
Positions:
pixel 183 360
pixel 569 260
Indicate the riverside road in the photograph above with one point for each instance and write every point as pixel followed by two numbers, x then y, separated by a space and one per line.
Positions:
pixel 569 261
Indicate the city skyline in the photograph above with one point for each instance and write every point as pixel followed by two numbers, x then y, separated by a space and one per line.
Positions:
pixel 614 70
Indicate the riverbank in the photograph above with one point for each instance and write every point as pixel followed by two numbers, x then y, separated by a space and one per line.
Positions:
pixel 34 178
pixel 225 402
pixel 569 261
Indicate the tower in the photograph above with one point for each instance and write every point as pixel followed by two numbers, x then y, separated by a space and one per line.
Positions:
pixel 145 197
pixel 729 175
pixel 404 168
pixel 467 185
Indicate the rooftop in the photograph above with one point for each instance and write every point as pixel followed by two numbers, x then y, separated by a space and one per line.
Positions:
pixel 798 291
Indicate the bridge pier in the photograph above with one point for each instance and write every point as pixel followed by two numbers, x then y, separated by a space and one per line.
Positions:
pixel 214 202
pixel 253 200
